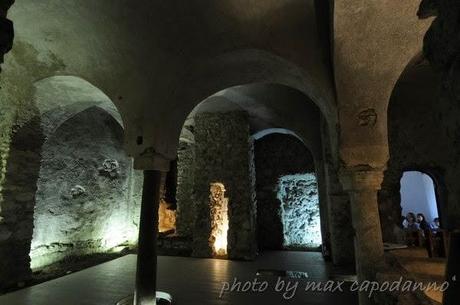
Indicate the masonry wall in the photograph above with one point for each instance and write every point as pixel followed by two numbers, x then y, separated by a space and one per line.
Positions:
pixel 300 213
pixel 224 154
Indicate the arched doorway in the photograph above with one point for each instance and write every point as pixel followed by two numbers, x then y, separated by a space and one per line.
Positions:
pixel 288 211
pixel 216 148
pixel 419 172
pixel 418 195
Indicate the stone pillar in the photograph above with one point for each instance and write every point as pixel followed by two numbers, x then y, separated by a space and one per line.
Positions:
pixel 224 154
pixel 363 184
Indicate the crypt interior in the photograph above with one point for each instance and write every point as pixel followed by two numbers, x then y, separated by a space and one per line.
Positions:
pixel 157 152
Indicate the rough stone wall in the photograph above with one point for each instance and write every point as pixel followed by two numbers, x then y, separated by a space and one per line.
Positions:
pixel 224 154
pixel 21 138
pixel 31 179
pixel 185 184
pixel 21 168
pixel 300 210
pixel 82 200
pixel 276 155
pixel 423 134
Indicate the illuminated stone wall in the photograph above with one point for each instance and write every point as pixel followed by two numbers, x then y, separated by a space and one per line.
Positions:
pixel 224 154
pixel 69 191
pixel 83 202
pixel 300 216
pixel 166 218
pixel 276 156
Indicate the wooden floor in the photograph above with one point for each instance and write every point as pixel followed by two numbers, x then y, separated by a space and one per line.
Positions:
pixel 191 281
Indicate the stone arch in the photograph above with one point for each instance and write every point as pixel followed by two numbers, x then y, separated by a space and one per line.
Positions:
pixel 58 98
pixel 247 66
pixel 242 68
pixel 263 133
pixel 263 114
pixel 416 112
pixel 437 187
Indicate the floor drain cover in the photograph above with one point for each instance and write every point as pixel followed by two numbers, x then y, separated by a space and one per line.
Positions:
pixel 163 298
pixel 282 273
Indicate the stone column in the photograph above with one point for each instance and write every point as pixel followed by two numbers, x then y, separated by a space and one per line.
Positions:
pixel 363 184
pixel 224 154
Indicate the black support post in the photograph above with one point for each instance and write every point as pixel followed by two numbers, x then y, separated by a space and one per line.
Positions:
pixel 146 280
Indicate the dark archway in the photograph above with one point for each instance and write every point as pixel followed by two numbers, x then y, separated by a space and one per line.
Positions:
pixel 416 113
pixel 286 193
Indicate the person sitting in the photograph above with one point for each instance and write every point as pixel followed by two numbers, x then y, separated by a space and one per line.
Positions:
pixel 423 224
pixel 435 225
pixel 410 222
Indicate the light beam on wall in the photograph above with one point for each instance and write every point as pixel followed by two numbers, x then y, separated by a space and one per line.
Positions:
pixel 219 219
pixel 166 217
